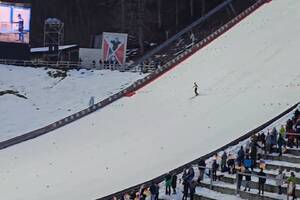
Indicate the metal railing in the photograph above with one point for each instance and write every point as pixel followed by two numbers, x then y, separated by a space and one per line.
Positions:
pixel 39 63
pixel 145 68
pixel 237 190
pixel 211 176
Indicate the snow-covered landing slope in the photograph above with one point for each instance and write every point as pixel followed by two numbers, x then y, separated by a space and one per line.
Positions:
pixel 51 99
pixel 246 77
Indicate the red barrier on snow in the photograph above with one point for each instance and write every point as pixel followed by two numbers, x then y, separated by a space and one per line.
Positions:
pixel 130 94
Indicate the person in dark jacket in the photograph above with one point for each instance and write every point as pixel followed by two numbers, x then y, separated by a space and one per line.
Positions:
pixel 253 155
pixel 192 189
pixel 174 183
pixel 269 143
pixel 280 144
pixel 247 179
pixel 201 167
pixel 275 135
pixel 239 178
pixel 297 113
pixel 142 195
pixel 241 156
pixel 153 191
pixel 20 23
pixel 190 174
pixel 215 167
pixel 289 126
pixel 297 130
pixel 263 139
pixel 195 89
pixel 261 181
pixel 231 164
pixel 184 174
pixel 157 191
pixel 223 162
pixel 168 180
pixel 185 189
pixel 132 195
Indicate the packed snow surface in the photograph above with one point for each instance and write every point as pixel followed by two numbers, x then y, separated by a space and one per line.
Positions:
pixel 50 99
pixel 246 77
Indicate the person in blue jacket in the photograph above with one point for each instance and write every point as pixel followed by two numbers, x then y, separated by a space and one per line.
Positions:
pixel 247 162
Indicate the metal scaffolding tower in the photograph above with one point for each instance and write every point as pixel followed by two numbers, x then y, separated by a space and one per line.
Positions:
pixel 53 38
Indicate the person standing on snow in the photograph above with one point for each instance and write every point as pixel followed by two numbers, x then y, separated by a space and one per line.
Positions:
pixel 241 156
pixel 190 174
pixel 223 162
pixel 280 144
pixel 185 189
pixel 192 189
pixel 174 183
pixel 153 191
pixel 196 89
pixel 261 181
pixel 280 180
pixel 168 181
pixel 247 179
pixel 291 189
pixel 201 167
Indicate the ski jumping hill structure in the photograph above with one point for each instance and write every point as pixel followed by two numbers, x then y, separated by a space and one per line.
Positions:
pixel 246 76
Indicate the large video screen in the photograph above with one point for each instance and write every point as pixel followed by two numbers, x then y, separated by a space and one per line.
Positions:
pixel 14 22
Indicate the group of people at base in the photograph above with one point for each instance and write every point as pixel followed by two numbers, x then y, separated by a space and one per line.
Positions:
pixel 187 180
pixel 245 160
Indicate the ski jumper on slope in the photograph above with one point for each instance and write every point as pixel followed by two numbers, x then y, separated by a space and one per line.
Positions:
pixel 196 89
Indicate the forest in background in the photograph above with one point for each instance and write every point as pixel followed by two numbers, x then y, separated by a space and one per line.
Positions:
pixel 151 21
pixel 145 21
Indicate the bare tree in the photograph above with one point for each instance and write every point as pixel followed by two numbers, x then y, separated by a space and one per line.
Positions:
pixel 203 9
pixel 141 10
pixel 123 15
pixel 192 7
pixel 79 8
pixel 159 13
pixel 177 13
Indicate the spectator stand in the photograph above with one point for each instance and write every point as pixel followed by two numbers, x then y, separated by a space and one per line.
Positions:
pixel 207 183
pixel 228 184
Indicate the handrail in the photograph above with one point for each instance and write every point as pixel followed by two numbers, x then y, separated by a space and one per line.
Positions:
pixel 61 64
pixel 34 63
pixel 258 176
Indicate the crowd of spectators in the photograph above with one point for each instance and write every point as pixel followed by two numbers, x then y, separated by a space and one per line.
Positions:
pixel 250 157
pixel 243 163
